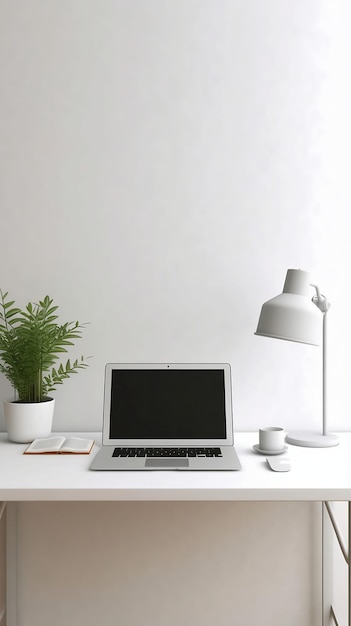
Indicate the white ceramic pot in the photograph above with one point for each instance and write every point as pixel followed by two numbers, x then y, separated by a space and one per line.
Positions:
pixel 26 421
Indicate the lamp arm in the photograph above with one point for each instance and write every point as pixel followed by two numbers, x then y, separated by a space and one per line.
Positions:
pixel 324 374
pixel 322 303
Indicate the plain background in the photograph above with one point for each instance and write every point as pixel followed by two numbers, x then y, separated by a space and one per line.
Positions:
pixel 163 163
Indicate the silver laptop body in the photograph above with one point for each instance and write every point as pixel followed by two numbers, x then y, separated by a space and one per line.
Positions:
pixel 167 417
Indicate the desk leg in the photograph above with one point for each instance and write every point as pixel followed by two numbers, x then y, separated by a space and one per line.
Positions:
pixel 11 564
pixel 327 566
pixel 331 528
pixel 349 563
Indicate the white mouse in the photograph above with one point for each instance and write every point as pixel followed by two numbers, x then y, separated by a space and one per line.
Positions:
pixel 279 465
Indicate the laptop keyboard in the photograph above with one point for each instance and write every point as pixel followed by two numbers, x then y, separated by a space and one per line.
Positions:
pixel 167 452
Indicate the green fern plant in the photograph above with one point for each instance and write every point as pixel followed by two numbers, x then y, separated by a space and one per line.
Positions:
pixel 31 343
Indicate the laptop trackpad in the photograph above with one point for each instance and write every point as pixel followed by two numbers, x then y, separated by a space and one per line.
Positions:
pixel 176 462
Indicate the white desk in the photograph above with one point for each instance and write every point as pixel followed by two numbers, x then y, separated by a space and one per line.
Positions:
pixel 316 475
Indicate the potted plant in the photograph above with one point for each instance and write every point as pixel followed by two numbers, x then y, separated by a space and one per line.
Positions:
pixel 31 343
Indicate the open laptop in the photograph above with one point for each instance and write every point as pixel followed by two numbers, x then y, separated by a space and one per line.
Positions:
pixel 167 417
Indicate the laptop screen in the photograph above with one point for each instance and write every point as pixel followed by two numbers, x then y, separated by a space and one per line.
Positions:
pixel 167 403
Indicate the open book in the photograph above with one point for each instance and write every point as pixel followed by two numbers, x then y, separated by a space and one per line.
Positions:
pixel 60 445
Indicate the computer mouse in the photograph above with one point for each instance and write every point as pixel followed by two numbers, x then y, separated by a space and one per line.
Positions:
pixel 279 465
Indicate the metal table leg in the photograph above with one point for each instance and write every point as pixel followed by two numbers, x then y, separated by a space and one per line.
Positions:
pixel 331 528
pixel 11 564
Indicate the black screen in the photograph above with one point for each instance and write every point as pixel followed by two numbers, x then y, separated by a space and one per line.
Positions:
pixel 167 404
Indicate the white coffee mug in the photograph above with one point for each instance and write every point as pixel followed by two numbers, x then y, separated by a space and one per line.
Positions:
pixel 271 438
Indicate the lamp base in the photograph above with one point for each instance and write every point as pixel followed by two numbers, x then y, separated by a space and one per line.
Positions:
pixel 311 440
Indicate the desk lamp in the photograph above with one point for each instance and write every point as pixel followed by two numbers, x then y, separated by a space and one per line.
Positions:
pixel 294 316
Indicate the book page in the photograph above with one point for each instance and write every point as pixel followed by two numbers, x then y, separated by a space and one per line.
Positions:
pixel 76 444
pixel 51 444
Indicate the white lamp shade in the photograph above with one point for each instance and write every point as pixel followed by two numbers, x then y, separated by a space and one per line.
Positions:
pixel 292 315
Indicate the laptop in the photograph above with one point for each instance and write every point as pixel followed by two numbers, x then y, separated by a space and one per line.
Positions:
pixel 167 417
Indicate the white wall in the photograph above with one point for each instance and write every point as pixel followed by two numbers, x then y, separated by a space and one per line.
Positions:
pixel 165 564
pixel 163 164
